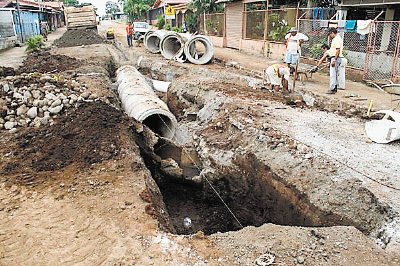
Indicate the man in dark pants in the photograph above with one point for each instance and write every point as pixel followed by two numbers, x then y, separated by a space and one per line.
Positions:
pixel 129 33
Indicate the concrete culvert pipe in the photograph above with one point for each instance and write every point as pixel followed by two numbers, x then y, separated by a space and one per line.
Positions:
pixel 172 45
pixel 145 37
pixel 199 50
pixel 153 41
pixel 140 102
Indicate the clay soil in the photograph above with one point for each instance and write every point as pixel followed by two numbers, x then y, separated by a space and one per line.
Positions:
pixel 82 137
pixel 45 62
pixel 79 37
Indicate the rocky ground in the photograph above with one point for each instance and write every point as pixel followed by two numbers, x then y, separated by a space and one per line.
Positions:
pixel 88 185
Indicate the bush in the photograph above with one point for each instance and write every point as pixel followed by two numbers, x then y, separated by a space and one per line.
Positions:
pixel 177 29
pixel 160 22
pixel 34 43
pixel 191 22
pixel 167 27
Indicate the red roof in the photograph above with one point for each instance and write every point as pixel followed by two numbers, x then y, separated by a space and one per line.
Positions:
pixel 26 3
pixel 160 3
pixel 4 3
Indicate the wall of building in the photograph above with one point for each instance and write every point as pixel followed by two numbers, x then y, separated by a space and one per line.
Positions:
pixel 30 24
pixel 7 32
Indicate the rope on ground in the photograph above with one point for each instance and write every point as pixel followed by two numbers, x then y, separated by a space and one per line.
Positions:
pixel 208 181
pixel 349 166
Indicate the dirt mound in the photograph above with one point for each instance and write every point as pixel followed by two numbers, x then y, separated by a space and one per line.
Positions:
pixel 45 62
pixel 79 37
pixel 6 71
pixel 89 134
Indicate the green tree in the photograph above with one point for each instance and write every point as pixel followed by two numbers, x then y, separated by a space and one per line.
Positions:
pixel 136 9
pixel 70 2
pixel 197 8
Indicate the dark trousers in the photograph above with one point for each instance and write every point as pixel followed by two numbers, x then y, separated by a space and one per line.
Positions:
pixel 129 39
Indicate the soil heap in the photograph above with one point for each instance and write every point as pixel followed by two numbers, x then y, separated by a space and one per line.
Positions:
pixel 46 62
pixel 79 37
pixel 88 134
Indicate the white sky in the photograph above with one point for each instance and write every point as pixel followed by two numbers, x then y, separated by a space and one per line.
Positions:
pixel 100 4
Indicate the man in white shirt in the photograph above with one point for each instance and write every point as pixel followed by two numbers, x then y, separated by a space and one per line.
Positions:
pixel 277 75
pixel 294 39
pixel 337 71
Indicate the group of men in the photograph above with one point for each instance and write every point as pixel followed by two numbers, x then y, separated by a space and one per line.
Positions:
pixel 278 75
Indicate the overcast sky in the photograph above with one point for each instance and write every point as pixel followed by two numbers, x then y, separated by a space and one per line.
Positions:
pixel 100 4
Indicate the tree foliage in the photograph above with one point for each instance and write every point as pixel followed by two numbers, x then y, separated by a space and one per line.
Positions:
pixel 70 2
pixel 205 6
pixel 112 7
pixel 136 9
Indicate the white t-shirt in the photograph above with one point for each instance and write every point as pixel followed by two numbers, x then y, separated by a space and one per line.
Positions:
pixel 293 46
pixel 337 43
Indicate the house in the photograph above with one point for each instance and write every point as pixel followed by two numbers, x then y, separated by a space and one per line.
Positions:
pixel 25 19
pixel 251 26
pixel 158 9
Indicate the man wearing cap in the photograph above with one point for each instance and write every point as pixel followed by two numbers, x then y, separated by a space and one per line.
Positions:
pixel 294 39
pixel 277 75
pixel 337 71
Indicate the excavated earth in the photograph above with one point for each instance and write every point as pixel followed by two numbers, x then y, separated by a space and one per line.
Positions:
pixel 97 187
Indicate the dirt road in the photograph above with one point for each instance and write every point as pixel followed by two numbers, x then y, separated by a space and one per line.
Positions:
pixel 89 189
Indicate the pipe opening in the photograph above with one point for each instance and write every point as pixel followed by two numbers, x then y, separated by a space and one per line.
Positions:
pixel 160 124
pixel 199 50
pixel 171 46
pixel 153 43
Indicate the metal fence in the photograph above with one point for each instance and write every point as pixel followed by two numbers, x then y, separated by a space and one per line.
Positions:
pixel 382 51
pixel 214 24
pixel 375 53
pixel 271 25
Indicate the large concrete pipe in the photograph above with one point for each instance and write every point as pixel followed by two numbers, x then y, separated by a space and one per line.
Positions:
pixel 140 102
pixel 145 37
pixel 172 45
pixel 195 53
pixel 153 41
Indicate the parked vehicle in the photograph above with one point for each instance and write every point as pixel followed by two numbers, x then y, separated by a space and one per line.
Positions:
pixel 140 29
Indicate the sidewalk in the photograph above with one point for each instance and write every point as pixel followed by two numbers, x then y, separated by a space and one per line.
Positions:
pixel 356 93
pixel 13 57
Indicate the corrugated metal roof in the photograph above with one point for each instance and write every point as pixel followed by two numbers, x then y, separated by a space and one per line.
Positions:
pixel 159 3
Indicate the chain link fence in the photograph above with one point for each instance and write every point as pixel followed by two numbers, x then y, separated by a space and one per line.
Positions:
pixel 382 52
pixel 274 24
pixel 255 24
pixel 214 24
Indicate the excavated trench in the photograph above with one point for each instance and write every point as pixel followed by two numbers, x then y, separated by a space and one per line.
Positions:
pixel 253 192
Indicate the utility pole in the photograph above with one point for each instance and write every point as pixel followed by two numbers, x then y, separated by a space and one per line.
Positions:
pixel 20 21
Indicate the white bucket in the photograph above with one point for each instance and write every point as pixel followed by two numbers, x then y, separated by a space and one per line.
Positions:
pixel 385 130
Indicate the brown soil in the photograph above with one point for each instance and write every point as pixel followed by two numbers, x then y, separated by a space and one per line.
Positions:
pixel 45 62
pixel 79 37
pixel 83 137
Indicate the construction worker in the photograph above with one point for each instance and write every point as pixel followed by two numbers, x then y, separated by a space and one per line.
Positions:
pixel 294 39
pixel 325 50
pixel 129 33
pixel 278 75
pixel 338 63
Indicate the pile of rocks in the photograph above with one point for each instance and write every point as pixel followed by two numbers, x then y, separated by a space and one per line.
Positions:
pixel 36 99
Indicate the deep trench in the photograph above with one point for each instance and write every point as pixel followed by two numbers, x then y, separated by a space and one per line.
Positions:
pixel 255 194
pixel 252 191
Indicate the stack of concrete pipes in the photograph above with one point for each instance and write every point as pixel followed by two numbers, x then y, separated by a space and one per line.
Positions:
pixel 179 46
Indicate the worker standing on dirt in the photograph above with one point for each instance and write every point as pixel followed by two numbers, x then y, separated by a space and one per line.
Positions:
pixel 129 33
pixel 294 39
pixel 337 71
pixel 278 75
